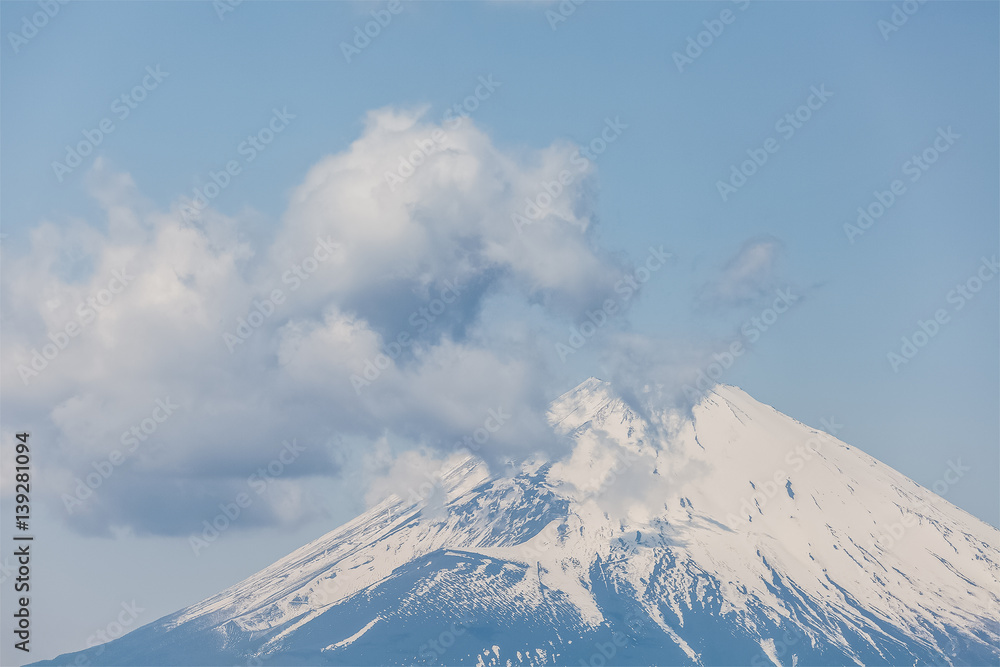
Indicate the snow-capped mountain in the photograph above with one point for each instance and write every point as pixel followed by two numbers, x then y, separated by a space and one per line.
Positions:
pixel 730 535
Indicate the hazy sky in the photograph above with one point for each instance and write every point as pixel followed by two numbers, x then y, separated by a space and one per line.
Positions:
pixel 250 154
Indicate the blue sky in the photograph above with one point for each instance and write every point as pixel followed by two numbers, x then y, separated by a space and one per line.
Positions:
pixel 681 132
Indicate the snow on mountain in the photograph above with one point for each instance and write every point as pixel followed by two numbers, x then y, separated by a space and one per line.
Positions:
pixel 733 535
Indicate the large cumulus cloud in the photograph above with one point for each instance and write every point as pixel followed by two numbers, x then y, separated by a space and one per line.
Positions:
pixel 181 307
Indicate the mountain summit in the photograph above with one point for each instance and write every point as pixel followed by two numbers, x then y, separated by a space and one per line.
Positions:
pixel 732 534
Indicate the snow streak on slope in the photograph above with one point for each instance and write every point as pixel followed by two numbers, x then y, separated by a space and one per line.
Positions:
pixel 735 535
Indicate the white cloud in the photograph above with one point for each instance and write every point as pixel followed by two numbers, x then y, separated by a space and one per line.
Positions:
pixel 746 276
pixel 181 286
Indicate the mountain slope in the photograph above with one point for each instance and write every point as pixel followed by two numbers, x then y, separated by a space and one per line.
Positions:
pixel 733 535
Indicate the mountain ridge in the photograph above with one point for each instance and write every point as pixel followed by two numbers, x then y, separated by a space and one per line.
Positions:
pixel 729 535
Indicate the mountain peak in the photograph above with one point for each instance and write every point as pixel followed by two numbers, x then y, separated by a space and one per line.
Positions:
pixel 590 387
pixel 730 535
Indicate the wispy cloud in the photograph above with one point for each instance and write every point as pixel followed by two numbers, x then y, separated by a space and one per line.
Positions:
pixel 746 277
